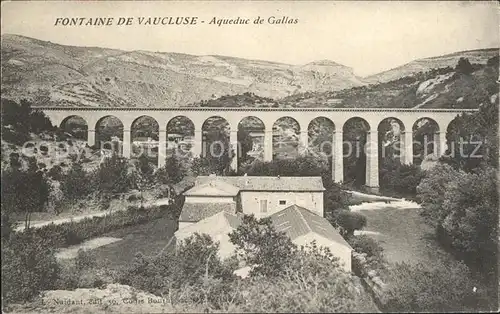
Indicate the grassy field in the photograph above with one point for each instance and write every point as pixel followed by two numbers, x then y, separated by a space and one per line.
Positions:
pixel 403 235
pixel 147 238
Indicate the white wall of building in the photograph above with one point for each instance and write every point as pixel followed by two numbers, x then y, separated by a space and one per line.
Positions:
pixel 343 252
pixel 251 201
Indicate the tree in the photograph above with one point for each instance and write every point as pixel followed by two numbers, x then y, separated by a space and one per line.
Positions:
pixel 464 66
pixel 472 139
pixel 142 175
pixel 245 145
pixel 25 191
pixel 23 118
pixel 113 175
pixel 400 178
pixel 261 246
pixel 77 183
pixel 349 222
pixel 172 172
pixel 471 208
pixel 431 192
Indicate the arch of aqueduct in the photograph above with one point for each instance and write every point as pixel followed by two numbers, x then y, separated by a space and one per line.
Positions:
pixel 268 116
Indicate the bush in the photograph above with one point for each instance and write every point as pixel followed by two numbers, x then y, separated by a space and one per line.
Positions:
pixel 365 244
pixel 85 260
pixel 436 287
pixel 186 266
pixel 113 176
pixel 471 222
pixel 82 272
pixel 259 244
pixel 22 119
pixel 77 183
pixel 464 66
pixel 463 208
pixel 28 267
pixel 431 192
pixel 400 179
pixel 24 191
pixel 55 173
pixel 71 233
pixel 349 222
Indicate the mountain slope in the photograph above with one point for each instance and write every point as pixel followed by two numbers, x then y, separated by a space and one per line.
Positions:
pixel 52 74
pixel 479 56
pixel 446 87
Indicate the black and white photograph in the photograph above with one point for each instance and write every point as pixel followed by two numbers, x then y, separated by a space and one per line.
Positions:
pixel 249 156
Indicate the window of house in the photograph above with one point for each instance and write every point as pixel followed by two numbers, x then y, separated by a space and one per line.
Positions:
pixel 263 206
pixel 282 202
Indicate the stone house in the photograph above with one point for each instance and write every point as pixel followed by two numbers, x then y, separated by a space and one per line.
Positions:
pixel 300 224
pixel 261 196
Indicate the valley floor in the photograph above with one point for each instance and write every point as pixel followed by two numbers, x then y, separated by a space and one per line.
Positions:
pixel 403 234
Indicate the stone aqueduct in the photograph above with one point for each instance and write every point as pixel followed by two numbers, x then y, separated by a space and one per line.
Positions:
pixel 339 116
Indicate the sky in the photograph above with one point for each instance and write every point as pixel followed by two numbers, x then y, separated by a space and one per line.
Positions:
pixel 370 37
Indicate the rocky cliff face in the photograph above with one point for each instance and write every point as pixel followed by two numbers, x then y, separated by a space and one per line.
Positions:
pixel 52 74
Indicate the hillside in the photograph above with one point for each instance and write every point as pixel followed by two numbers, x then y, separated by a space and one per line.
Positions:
pixel 479 56
pixel 444 87
pixel 58 75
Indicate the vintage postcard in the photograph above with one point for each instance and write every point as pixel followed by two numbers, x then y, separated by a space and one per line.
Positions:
pixel 249 156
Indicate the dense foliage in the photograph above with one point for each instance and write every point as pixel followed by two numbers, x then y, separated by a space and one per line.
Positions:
pixel 256 240
pixel 436 287
pixel 348 222
pixel 24 191
pixel 399 179
pixel 77 183
pixel 460 197
pixel 28 267
pixel 28 262
pixel 295 279
pixel 18 120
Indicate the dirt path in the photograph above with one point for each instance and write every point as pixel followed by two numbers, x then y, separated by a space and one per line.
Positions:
pixel 38 224
pixel 65 220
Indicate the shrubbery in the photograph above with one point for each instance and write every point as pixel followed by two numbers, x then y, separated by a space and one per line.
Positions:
pixel 80 272
pixel 436 287
pixel 24 191
pixel 193 261
pixel 400 179
pixel 28 267
pixel 349 222
pixel 70 233
pixel 77 183
pixel 18 120
pixel 365 244
pixel 28 262
pixel 113 176
pixel 465 214
pixel 293 278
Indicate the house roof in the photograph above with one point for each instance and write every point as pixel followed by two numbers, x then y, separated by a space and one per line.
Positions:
pixel 258 183
pixel 294 220
pixel 213 225
pixel 213 188
pixel 297 221
pixel 193 212
pixel 218 227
